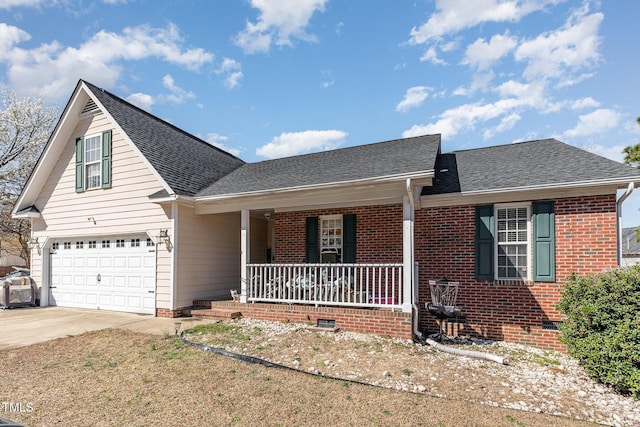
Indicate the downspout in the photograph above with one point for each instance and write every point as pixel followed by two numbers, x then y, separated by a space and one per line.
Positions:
pixel 418 334
pixel 622 198
pixel 414 290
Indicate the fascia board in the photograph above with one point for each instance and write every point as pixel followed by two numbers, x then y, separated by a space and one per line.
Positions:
pixel 517 194
pixel 419 178
pixel 387 193
pixel 51 152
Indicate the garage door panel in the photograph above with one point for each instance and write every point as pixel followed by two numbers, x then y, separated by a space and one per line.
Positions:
pixel 110 274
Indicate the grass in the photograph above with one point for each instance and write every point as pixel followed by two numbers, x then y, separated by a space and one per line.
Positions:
pixel 135 382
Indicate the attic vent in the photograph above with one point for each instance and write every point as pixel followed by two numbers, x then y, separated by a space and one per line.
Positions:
pixel 91 107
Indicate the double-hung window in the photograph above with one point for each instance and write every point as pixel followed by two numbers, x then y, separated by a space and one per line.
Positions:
pixel 93 162
pixel 516 242
pixel 512 244
pixel 331 239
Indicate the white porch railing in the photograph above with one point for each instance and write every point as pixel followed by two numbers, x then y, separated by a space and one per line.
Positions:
pixel 355 285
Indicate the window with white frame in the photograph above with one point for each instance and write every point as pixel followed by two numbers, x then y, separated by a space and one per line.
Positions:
pixel 331 238
pixel 513 242
pixel 93 161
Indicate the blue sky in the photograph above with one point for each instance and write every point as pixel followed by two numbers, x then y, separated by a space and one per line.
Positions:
pixel 271 78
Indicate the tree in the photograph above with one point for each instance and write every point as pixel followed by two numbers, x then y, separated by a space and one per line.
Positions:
pixel 632 153
pixel 25 125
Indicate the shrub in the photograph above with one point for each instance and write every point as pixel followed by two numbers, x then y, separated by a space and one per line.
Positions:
pixel 602 329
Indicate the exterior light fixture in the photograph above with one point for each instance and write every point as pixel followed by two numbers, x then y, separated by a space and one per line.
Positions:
pixel 32 243
pixel 163 237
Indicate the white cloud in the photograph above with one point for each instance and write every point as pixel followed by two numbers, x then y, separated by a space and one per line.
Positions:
pixel 49 70
pixel 414 97
pixel 9 37
pixel 178 95
pixel 587 102
pixel 292 143
pixel 431 55
pixel 593 123
pixel 232 72
pixel 279 22
pixel 141 100
pixel 482 55
pixel 569 49
pixel 8 4
pixel 218 140
pixel 454 15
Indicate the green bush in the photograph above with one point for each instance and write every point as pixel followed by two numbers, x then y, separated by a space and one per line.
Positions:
pixel 602 329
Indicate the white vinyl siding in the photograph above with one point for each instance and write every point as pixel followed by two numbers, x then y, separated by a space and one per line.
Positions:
pixel 125 209
pixel 209 261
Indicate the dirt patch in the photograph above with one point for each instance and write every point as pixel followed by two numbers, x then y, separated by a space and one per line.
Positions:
pixel 116 377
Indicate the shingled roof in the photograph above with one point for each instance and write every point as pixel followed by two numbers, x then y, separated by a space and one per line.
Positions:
pixel 537 163
pixel 187 163
pixel 383 159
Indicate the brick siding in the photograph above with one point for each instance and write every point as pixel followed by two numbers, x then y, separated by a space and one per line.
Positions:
pixel 512 311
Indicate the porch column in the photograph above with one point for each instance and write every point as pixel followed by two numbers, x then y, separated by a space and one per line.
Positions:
pixel 407 255
pixel 245 245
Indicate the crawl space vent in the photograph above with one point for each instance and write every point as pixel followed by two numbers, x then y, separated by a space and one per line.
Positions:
pixel 550 325
pixel 326 323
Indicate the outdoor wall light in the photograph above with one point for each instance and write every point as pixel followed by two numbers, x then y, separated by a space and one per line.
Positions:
pixel 33 243
pixel 163 237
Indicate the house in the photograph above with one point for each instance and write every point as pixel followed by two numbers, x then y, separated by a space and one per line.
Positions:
pixel 130 213
pixel 630 246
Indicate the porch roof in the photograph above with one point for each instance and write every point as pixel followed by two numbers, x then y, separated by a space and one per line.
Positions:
pixel 389 159
pixel 531 164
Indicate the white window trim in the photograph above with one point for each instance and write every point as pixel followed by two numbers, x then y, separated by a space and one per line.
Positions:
pixel 98 162
pixel 322 218
pixel 496 207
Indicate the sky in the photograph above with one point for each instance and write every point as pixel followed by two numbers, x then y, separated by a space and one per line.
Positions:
pixel 264 79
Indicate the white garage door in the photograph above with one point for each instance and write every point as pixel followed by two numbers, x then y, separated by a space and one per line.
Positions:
pixel 110 273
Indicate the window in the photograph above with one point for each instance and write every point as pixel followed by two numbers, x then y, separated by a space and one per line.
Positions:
pixel 67 245
pixel 92 244
pixel 331 239
pixel 512 244
pixel 79 244
pixel 106 244
pixel 150 242
pixel 56 246
pixel 516 242
pixel 119 243
pixel 93 162
pixel 135 243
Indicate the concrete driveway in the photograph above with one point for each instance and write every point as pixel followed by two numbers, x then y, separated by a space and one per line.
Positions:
pixel 25 326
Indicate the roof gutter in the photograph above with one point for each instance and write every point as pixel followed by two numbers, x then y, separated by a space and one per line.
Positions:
pixel 622 198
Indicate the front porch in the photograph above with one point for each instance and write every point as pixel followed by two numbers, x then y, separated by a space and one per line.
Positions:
pixel 377 286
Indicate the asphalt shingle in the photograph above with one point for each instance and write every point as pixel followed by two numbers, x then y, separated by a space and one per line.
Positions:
pixel 524 164
pixel 396 157
pixel 187 163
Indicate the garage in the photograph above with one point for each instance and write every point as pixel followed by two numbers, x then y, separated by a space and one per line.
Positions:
pixel 108 273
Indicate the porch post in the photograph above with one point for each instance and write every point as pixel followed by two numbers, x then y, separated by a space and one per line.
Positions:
pixel 407 254
pixel 245 245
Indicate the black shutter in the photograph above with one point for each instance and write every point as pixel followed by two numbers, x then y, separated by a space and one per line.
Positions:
pixel 484 242
pixel 349 242
pixel 313 248
pixel 544 259
pixel 79 165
